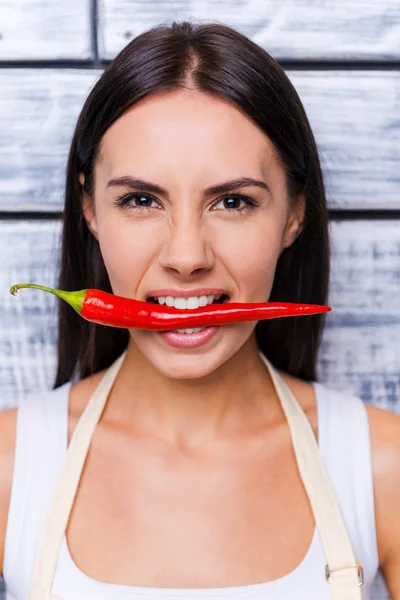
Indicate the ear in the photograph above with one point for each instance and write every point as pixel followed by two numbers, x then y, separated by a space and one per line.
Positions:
pixel 295 222
pixel 88 211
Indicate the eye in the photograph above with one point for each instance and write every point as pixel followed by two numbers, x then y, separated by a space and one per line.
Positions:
pixel 125 201
pixel 232 200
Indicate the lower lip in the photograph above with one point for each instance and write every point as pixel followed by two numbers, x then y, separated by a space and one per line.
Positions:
pixel 188 340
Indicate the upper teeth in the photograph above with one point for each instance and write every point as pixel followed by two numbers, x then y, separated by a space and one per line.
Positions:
pixel 192 302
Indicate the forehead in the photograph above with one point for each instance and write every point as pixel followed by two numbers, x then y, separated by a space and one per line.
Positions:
pixel 188 129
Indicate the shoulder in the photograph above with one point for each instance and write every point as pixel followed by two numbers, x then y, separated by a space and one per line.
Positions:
pixel 385 450
pixel 8 425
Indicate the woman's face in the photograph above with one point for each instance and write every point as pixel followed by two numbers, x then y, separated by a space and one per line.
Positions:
pixel 184 238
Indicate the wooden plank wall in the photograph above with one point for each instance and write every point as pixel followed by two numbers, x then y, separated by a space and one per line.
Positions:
pixel 343 56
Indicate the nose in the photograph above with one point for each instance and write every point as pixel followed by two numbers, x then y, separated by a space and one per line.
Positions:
pixel 186 250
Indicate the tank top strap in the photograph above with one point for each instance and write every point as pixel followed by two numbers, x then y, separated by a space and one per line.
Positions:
pixel 41 441
pixel 345 446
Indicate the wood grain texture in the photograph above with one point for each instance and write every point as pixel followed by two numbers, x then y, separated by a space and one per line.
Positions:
pixel 28 320
pixel 38 112
pixel 361 348
pixel 291 29
pixel 355 120
pixel 354 117
pixel 45 29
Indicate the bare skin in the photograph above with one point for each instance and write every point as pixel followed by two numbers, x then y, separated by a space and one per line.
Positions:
pixel 193 448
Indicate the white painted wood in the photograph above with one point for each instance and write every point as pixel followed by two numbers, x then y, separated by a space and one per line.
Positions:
pixel 45 29
pixel 318 29
pixel 354 117
pixel 38 113
pixel 361 345
pixel 27 321
pixel 355 120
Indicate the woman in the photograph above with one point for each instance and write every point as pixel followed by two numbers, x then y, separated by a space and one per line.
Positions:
pixel 193 177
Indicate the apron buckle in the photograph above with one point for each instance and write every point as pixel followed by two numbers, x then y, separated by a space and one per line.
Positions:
pixel 360 572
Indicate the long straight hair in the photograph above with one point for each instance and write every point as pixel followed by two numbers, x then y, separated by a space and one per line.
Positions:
pixel 217 60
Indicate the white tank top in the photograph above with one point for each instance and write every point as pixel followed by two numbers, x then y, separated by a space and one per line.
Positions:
pixel 41 445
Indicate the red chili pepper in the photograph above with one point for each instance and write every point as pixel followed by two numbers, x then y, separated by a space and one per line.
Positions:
pixel 108 309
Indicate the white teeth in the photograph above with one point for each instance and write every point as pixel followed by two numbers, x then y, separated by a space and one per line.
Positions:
pixel 191 302
pixel 190 330
pixel 178 302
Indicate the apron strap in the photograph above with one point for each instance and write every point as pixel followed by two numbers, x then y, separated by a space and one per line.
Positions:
pixel 67 485
pixel 343 572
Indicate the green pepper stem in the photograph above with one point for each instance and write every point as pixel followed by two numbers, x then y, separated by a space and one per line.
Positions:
pixel 75 298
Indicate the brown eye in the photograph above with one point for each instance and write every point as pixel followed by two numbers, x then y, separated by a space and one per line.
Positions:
pixel 142 199
pixel 232 203
pixel 129 201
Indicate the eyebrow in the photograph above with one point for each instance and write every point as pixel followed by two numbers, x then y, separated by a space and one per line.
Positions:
pixel 220 188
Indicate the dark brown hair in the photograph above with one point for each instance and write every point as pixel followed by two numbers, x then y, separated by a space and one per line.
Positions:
pixel 217 60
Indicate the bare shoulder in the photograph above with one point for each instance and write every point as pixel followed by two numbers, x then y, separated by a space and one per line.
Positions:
pixel 8 422
pixel 385 451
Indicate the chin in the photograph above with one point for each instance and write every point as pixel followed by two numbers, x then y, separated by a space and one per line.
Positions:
pixel 194 367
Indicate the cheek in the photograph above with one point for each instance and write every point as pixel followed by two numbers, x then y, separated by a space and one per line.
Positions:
pixel 126 254
pixel 251 258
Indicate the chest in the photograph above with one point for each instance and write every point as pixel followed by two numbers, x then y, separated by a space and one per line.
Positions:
pixel 145 515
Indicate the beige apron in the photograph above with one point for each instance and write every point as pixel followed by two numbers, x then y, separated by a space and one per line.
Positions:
pixel 344 574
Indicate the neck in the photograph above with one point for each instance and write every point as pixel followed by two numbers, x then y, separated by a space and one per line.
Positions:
pixel 231 400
